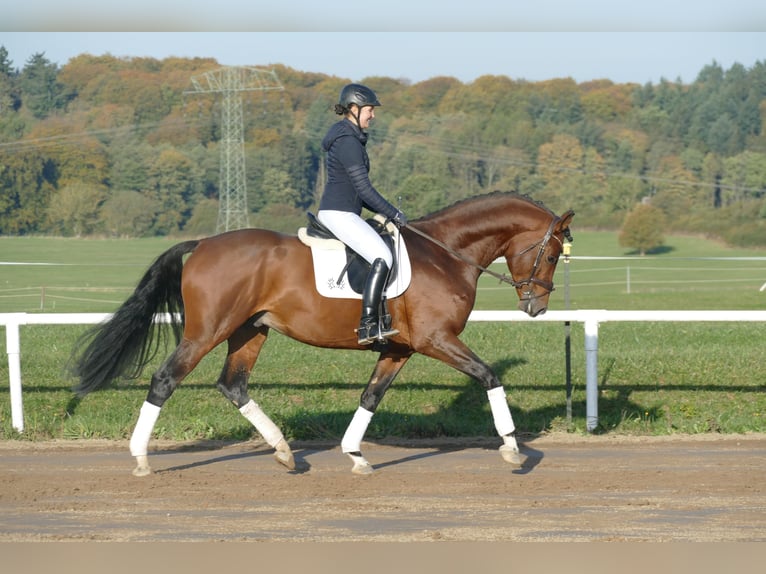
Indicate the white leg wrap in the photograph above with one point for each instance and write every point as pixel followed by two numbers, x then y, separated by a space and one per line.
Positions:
pixel 510 441
pixel 352 439
pixel 500 411
pixel 262 423
pixel 139 440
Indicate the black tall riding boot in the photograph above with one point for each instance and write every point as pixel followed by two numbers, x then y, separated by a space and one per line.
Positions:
pixel 370 325
pixel 385 318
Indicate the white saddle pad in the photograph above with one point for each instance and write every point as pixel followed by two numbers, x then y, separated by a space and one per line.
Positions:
pixel 329 256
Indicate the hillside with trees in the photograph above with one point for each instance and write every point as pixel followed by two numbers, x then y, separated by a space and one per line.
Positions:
pixel 118 147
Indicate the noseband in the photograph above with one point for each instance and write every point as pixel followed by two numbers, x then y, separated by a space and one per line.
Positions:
pixel 502 277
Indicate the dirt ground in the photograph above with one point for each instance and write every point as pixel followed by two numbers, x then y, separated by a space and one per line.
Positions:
pixel 570 488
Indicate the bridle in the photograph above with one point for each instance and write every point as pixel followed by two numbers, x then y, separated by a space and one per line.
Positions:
pixel 543 243
pixel 502 277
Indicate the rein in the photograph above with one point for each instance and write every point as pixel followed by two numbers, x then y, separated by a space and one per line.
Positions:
pixel 503 278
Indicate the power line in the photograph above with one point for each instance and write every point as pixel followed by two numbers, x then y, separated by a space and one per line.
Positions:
pixel 72 138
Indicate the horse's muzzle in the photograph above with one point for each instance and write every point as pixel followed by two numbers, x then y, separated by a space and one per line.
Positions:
pixel 532 306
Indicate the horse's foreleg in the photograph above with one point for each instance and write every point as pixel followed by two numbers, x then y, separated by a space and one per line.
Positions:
pixel 386 369
pixel 501 414
pixel 453 352
pixel 351 444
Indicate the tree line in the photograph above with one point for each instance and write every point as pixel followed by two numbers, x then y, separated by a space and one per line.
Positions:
pixel 120 147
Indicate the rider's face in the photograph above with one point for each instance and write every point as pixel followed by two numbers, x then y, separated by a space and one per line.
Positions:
pixel 366 115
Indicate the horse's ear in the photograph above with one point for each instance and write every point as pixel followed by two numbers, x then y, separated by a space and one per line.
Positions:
pixel 563 224
pixel 566 219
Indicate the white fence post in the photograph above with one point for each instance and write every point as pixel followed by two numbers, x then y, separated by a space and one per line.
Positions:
pixel 13 348
pixel 591 374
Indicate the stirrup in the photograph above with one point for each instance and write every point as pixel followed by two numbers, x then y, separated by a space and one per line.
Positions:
pixel 367 333
pixel 387 333
pixel 371 332
pixel 386 330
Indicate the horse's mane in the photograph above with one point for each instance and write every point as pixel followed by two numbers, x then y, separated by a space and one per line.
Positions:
pixel 469 201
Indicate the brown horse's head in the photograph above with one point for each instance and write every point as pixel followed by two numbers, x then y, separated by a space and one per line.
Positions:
pixel 532 257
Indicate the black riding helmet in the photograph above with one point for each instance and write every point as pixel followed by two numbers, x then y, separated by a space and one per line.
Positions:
pixel 355 94
pixel 359 95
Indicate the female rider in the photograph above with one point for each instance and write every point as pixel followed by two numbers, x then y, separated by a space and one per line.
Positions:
pixel 347 191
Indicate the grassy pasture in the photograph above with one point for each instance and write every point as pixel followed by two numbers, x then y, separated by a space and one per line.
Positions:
pixel 659 378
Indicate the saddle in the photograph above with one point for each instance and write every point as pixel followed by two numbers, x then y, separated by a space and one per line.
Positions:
pixel 357 268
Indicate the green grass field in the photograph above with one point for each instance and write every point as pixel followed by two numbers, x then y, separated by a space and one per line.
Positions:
pixel 654 378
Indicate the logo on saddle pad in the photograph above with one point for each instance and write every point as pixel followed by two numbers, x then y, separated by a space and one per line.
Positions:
pixel 340 273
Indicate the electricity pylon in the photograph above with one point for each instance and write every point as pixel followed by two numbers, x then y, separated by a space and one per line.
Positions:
pixel 231 81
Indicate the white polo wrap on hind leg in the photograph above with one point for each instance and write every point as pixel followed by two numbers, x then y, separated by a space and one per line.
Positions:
pixel 500 411
pixel 139 440
pixel 352 439
pixel 262 423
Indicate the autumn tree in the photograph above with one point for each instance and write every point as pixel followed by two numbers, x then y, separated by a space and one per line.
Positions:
pixel 677 192
pixel 26 184
pixel 41 91
pixel 204 218
pixel 421 194
pixel 174 183
pixel 74 209
pixel 277 189
pixel 559 165
pixel 128 213
pixel 9 98
pixel 744 177
pixel 643 228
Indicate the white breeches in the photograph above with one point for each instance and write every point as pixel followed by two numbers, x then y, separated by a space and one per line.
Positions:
pixel 355 232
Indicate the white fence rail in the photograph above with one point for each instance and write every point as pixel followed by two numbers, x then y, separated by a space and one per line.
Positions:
pixel 591 318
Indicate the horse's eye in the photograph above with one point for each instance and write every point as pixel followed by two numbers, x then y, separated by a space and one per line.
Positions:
pixel 552 260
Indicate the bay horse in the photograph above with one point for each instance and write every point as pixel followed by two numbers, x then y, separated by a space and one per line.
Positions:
pixel 238 285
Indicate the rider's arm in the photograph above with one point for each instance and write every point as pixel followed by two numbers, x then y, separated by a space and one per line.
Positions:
pixel 353 163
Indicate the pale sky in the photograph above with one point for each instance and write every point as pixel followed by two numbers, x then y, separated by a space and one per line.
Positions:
pixel 416 40
pixel 638 57
pixel 386 15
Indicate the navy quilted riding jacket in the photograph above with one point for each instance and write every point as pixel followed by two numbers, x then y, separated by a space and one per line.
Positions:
pixel 348 186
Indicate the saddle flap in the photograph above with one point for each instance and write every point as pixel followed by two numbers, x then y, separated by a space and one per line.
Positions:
pixel 343 275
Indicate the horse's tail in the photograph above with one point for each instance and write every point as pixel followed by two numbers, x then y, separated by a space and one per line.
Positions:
pixel 125 343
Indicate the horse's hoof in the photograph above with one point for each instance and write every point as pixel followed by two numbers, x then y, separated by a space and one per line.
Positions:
pixel 510 455
pixel 362 468
pixel 142 466
pixel 286 459
pixel 284 456
pixel 142 471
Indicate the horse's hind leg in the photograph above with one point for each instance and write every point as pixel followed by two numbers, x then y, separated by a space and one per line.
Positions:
pixel 164 381
pixel 244 346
